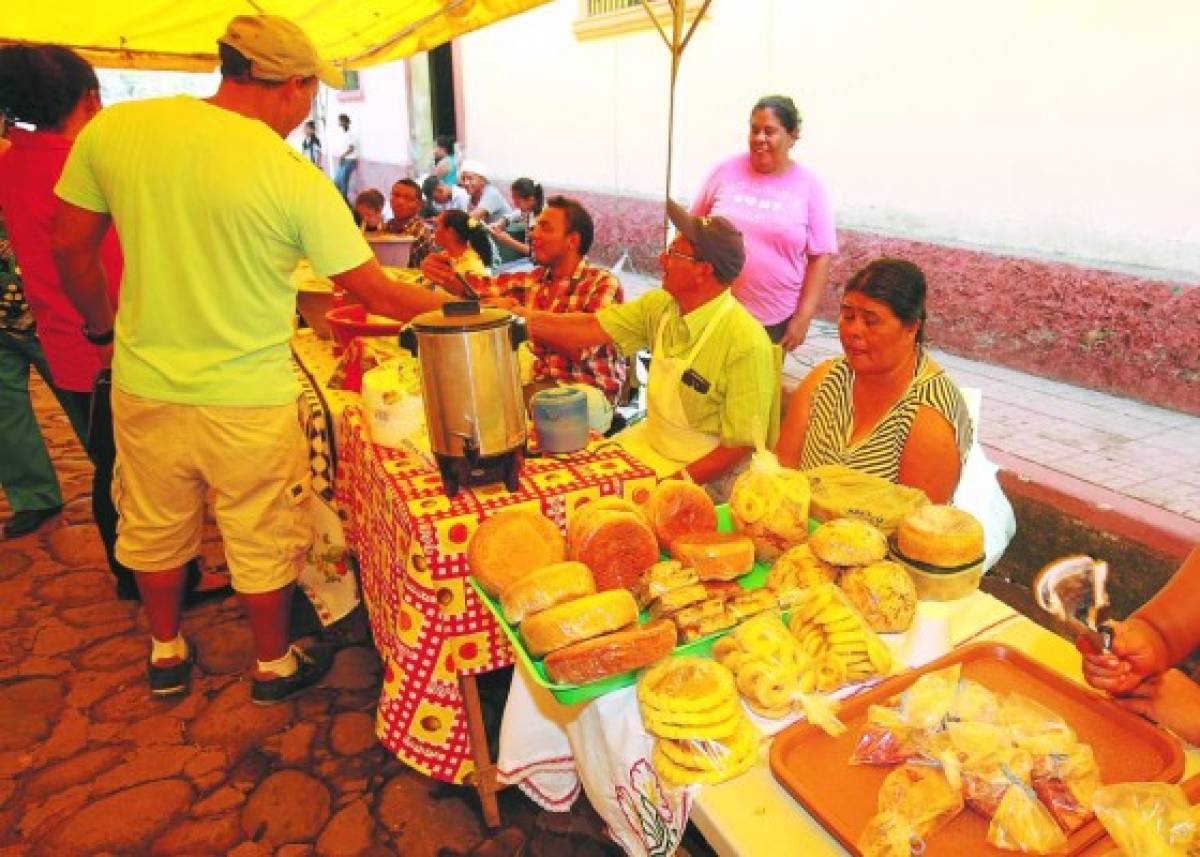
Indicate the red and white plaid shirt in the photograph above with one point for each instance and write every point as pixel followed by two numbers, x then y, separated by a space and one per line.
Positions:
pixel 588 289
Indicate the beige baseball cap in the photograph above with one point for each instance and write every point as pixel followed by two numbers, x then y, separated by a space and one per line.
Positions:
pixel 278 49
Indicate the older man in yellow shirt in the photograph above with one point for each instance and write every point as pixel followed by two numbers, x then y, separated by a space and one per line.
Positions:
pixel 714 386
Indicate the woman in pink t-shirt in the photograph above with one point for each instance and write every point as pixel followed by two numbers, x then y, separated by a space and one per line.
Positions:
pixel 784 214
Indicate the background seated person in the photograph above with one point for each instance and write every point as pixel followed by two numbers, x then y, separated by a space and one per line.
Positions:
pixel 368 210
pixel 441 197
pixel 1159 635
pixel 563 282
pixel 886 408
pixel 466 246
pixel 406 208
pixel 487 202
pixel 512 233
pixel 714 383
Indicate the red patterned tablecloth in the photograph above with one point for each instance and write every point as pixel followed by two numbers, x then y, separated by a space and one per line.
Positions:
pixel 411 542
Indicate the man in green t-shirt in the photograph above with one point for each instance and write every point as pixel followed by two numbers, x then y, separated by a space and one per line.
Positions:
pixel 214 210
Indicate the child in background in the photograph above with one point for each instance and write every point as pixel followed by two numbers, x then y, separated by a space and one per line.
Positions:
pixel 464 241
pixel 368 210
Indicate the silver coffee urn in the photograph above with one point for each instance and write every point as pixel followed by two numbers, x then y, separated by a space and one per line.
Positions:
pixel 474 411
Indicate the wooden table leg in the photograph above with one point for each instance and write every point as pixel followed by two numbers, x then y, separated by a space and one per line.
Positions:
pixel 485 771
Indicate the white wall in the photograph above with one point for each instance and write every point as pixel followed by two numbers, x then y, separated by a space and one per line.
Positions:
pixel 381 117
pixel 1067 129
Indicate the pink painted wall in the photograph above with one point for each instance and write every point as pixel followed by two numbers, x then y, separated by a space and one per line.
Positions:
pixel 1108 331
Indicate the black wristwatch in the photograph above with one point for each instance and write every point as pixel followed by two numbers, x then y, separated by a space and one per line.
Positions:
pixel 105 338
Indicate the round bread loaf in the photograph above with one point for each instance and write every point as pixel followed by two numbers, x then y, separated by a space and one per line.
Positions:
pixel 847 541
pixel 677 507
pixel 614 541
pixel 940 535
pixel 612 654
pixel 542 589
pixel 578 620
pixel 799 568
pixel 511 544
pixel 715 556
pixel 577 521
pixel 884 594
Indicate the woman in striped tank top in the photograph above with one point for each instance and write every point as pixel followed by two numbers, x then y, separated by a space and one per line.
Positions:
pixel 886 408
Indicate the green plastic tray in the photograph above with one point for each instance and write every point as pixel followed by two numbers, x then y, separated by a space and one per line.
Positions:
pixel 569 694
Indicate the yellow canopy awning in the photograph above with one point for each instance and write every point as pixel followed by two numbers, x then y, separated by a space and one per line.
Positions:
pixel 181 35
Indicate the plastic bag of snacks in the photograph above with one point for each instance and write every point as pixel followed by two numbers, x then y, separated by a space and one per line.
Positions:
pixel 1149 819
pixel 841 646
pixel 974 703
pixel 842 492
pixel 914 802
pixel 887 739
pixel 987 780
pixel 964 744
pixel 1066 782
pixel 927 702
pixel 770 671
pixel 690 705
pixel 769 503
pixel 1034 727
pixel 1022 824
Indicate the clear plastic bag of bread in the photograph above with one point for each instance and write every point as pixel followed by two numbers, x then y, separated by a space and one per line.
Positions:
pixel 707 761
pixel 915 801
pixel 1149 819
pixel 1066 782
pixel 1022 824
pixel 842 492
pixel 769 503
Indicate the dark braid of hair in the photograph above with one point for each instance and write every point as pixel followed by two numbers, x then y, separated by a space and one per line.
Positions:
pixel 470 230
pixel 42 84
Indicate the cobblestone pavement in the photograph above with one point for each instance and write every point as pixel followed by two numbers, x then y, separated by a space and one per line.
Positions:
pixel 90 764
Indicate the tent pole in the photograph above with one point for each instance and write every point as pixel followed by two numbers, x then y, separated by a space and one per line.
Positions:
pixel 677 23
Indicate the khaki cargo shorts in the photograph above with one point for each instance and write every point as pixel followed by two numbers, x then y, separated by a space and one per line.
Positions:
pixel 255 460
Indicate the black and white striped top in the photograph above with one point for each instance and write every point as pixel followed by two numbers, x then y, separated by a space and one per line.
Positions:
pixel 831 420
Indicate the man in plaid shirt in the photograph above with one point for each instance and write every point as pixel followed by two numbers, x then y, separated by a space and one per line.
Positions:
pixel 564 281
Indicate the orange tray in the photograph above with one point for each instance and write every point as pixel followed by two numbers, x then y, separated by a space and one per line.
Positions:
pixel 816 768
pixel 1106 846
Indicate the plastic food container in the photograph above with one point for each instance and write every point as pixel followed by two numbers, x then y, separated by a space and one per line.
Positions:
pixel 347 322
pixel 935 583
pixel 391 250
pixel 561 418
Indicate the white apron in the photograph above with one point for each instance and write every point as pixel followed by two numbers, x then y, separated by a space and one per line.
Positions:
pixel 665 440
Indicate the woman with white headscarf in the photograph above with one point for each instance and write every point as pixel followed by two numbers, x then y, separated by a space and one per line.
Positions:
pixel 487 203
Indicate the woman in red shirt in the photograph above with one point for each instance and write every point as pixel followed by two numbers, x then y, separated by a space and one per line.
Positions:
pixel 55 91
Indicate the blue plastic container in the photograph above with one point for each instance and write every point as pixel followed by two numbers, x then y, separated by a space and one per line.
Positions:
pixel 561 419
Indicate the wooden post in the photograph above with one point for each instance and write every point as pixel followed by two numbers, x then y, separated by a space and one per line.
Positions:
pixel 676 44
pixel 485 771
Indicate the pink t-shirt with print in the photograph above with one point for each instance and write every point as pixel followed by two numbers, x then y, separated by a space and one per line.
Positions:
pixel 785 218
